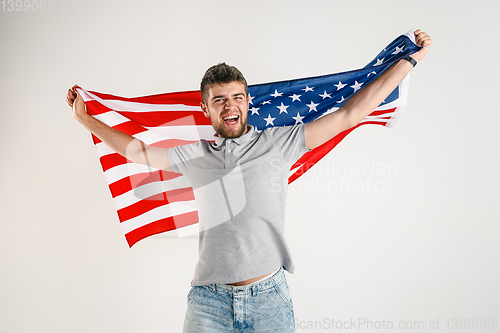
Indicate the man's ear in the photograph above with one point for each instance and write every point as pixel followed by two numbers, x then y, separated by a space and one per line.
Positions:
pixel 205 109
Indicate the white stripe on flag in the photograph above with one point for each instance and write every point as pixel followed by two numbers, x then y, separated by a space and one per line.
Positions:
pixel 142 192
pixel 103 149
pixel 145 107
pixel 188 132
pixel 111 118
pixel 125 170
pixel 159 213
pixel 380 118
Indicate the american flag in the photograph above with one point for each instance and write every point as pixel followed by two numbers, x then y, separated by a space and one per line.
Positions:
pixel 151 201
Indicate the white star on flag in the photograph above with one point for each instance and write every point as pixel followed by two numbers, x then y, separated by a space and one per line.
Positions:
pixel 298 119
pixel 340 85
pixel 276 94
pixel 325 95
pixel 269 120
pixel 255 111
pixel 312 106
pixel 283 108
pixel 398 50
pixel 356 86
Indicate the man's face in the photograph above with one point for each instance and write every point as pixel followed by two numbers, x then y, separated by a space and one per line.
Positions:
pixel 227 108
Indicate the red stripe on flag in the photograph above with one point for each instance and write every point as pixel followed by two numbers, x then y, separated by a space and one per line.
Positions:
pixel 130 128
pixel 372 123
pixel 155 201
pixel 131 182
pixel 380 112
pixel 95 139
pixel 95 108
pixel 167 118
pixel 163 225
pixel 111 160
pixel 168 143
pixel 171 143
pixel 192 98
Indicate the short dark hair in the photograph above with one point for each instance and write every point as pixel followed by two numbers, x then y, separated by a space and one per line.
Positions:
pixel 218 74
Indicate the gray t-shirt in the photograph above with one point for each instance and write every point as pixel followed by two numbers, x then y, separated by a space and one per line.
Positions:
pixel 240 187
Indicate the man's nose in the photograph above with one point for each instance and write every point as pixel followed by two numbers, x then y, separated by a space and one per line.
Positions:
pixel 230 104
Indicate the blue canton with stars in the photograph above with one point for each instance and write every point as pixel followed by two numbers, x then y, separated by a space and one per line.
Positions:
pixel 303 100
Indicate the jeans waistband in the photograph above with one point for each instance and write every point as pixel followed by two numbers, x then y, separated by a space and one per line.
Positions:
pixel 251 289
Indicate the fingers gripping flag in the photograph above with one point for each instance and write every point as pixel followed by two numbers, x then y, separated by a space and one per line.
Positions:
pixel 151 201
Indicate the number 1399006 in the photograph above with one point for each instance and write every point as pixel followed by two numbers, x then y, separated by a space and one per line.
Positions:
pixel 27 5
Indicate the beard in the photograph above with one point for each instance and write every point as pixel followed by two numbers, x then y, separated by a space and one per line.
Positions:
pixel 233 131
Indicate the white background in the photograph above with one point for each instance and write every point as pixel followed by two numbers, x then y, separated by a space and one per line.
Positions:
pixel 420 245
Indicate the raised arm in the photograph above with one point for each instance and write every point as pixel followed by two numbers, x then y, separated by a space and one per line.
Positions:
pixel 122 143
pixel 359 106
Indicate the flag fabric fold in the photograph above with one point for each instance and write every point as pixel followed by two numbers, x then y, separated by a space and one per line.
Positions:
pixel 151 201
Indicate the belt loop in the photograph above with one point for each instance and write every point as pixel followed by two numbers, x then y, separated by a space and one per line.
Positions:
pixel 215 287
pixel 280 275
pixel 275 277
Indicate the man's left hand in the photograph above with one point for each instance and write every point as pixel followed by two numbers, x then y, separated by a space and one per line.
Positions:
pixel 423 40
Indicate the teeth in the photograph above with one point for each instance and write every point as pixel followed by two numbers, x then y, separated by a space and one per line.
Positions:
pixel 230 117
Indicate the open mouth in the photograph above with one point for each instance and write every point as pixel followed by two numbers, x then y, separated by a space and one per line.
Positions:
pixel 231 119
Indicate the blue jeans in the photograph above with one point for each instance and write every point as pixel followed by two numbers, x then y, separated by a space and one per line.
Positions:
pixel 261 307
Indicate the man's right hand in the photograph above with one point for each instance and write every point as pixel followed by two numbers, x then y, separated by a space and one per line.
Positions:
pixel 76 102
pixel 71 95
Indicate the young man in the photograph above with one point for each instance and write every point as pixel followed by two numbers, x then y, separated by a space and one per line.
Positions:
pixel 239 282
